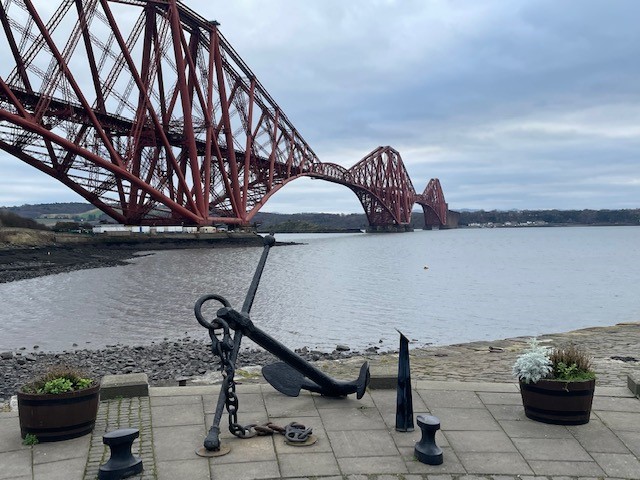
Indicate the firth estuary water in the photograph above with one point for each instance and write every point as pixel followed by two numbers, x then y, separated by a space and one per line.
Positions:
pixel 437 287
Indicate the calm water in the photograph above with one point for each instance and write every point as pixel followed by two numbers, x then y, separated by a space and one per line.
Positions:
pixel 347 288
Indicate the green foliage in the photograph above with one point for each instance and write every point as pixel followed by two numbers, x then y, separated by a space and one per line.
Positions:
pixel 10 219
pixel 58 380
pixel 567 364
pixel 30 439
pixel 57 385
pixel 570 217
pixel 571 363
pixel 76 227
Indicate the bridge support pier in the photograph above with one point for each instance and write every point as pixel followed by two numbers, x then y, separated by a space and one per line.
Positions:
pixel 389 228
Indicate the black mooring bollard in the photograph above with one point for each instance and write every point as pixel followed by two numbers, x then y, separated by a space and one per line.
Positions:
pixel 404 402
pixel 426 450
pixel 122 463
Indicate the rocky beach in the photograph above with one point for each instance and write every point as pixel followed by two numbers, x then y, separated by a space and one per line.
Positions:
pixel 613 350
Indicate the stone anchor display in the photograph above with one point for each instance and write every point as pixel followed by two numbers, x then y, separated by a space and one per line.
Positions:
pixel 288 377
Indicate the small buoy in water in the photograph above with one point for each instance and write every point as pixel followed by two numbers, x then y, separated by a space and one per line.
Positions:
pixel 426 267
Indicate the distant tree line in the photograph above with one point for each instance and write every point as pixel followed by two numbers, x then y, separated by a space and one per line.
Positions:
pixel 317 222
pixel 37 210
pixel 328 222
pixel 10 219
pixel 557 217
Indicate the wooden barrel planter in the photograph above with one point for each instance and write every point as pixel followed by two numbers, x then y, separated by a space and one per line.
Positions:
pixel 58 417
pixel 558 402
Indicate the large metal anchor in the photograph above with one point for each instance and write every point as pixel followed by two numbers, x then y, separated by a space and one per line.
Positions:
pixel 289 376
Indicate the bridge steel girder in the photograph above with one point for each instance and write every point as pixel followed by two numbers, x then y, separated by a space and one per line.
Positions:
pixel 388 195
pixel 143 108
pixel 434 206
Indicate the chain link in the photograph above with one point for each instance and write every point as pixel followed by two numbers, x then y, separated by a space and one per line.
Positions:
pixel 223 348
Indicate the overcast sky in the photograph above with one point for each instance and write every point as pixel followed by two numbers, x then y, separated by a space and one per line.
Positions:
pixel 511 104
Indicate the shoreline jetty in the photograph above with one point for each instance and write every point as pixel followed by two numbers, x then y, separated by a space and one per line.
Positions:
pixel 613 350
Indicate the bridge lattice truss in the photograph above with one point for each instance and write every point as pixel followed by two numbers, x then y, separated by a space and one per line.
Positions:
pixel 144 109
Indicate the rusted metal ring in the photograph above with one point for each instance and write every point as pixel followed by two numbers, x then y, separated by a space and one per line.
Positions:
pixel 198 309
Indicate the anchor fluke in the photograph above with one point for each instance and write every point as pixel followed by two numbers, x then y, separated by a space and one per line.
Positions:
pixel 289 381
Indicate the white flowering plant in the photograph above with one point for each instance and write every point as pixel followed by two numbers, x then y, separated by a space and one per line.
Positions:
pixel 568 364
pixel 534 364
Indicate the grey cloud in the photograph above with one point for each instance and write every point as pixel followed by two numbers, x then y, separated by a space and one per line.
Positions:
pixel 519 104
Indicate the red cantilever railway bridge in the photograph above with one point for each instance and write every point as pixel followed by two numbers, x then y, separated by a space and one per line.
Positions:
pixel 143 108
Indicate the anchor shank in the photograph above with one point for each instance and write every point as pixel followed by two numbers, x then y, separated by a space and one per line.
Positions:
pixel 269 241
pixel 270 344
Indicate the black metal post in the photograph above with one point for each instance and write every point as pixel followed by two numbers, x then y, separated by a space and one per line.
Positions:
pixel 404 400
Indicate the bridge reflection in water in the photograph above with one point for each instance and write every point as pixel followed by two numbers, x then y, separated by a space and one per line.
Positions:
pixel 146 111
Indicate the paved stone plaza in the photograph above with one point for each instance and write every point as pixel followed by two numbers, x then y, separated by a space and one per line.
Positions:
pixel 484 435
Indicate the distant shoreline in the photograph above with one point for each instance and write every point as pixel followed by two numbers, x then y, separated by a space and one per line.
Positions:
pixel 29 254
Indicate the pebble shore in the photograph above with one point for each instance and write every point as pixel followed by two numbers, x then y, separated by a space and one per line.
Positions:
pixel 164 362
pixel 614 351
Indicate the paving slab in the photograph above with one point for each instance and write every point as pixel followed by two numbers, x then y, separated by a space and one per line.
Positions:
pixel 623 421
pixel 372 465
pixel 595 437
pixel 193 470
pixel 68 469
pixel 500 398
pixel 468 386
pixel 507 412
pixel 360 418
pixel 480 441
pixel 465 419
pixel 10 439
pixel 450 399
pixel 175 415
pixel 370 443
pixel 57 451
pixel 529 429
pixel 253 470
pixel 16 463
pixel 568 449
pixel 176 400
pixel 302 406
pixel 564 467
pixel 177 443
pixel 484 434
pixel 631 441
pixel 498 463
pixel 308 463
pixel 618 465
pixel 256 449
pixel 616 404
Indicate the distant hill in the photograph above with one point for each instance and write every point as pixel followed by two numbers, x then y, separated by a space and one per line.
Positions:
pixel 13 220
pixel 51 213
pixel 38 210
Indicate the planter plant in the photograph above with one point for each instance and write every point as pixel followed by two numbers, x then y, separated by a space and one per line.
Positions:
pixel 59 405
pixel 556 385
